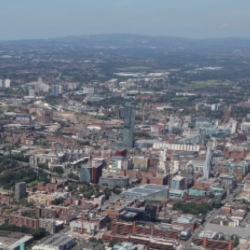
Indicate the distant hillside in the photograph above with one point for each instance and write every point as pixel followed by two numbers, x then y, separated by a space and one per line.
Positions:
pixel 130 41
pixel 142 41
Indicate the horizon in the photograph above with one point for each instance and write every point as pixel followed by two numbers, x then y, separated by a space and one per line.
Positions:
pixel 29 20
pixel 125 34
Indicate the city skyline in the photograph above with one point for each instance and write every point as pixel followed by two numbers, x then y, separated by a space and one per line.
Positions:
pixel 195 19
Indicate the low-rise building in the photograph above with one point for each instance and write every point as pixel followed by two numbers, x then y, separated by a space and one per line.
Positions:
pixel 21 221
pixel 56 242
pixel 146 192
pixel 114 181
pixel 41 199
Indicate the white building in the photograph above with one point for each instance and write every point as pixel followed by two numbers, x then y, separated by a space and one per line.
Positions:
pixel 87 227
pixel 234 127
pixel 31 92
pixel 7 83
pixel 163 161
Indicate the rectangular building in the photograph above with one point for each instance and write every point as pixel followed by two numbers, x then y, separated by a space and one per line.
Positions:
pixel 20 191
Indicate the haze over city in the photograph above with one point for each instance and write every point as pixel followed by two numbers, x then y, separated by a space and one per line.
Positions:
pixel 125 124
pixel 28 19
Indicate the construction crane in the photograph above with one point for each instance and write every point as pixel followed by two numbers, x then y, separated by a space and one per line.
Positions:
pixel 82 217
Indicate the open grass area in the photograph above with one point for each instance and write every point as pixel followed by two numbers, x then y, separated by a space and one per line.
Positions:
pixel 180 99
pixel 209 83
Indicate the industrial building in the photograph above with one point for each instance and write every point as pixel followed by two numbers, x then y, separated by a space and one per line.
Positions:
pixel 147 213
pixel 56 242
pixel 154 236
pixel 19 242
pixel 124 246
pixel 146 192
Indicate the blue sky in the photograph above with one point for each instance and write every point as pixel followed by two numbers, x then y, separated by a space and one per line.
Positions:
pixel 27 19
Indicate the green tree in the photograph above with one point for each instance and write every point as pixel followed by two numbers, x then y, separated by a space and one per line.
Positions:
pixel 217 203
pixel 58 170
pixel 113 242
pixel 58 201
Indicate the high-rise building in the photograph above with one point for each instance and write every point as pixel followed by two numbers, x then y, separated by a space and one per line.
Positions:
pixel 128 129
pixel 91 174
pixel 56 89
pixel 7 83
pixel 208 163
pixel 20 190
pixel 1 83
pixel 86 174
pixel 178 183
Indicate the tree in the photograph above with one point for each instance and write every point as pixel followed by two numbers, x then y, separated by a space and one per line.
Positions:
pixel 58 170
pixel 43 165
pixel 217 203
pixel 235 240
pixel 166 248
pixel 58 201
pixel 113 242
pixel 222 237
pixel 73 176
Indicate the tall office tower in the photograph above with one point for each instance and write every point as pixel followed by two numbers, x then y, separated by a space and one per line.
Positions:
pixel 1 83
pixel 129 122
pixel 60 89
pixel 202 138
pixel 208 163
pixel 55 90
pixel 227 113
pixel 20 190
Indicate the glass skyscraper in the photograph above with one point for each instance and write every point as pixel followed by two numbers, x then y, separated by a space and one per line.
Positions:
pixel 129 122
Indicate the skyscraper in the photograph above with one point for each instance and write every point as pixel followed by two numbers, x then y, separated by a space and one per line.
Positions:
pixel 56 90
pixel 208 163
pixel 129 122
pixel 20 190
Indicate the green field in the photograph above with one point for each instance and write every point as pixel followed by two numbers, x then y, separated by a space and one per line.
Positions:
pixel 209 83
pixel 181 98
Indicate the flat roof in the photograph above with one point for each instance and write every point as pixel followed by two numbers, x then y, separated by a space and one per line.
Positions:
pixel 240 231
pixel 20 241
pixel 146 189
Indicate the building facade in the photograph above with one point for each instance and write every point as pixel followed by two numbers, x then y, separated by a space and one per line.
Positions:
pixel 128 129
pixel 20 191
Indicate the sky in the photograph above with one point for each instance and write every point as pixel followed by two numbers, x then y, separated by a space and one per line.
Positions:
pixel 35 19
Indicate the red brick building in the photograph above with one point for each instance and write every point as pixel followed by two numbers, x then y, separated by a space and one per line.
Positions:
pixel 20 221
